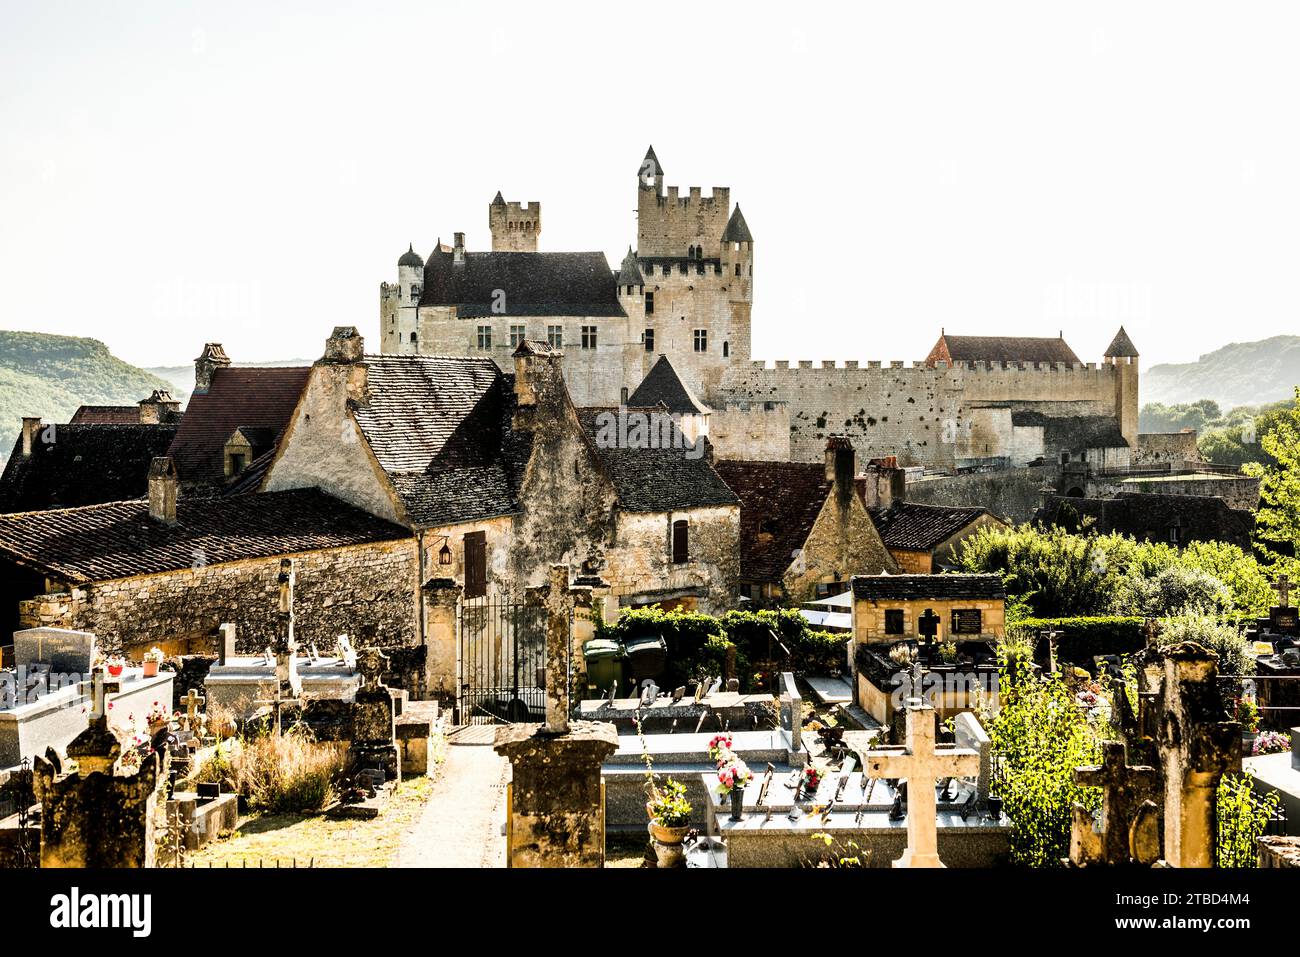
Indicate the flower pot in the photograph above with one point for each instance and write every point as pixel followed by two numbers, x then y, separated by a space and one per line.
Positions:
pixel 669 855
pixel 737 804
pixel 115 671
pixel 1248 742
pixel 150 669
pixel 667 835
pixel 995 808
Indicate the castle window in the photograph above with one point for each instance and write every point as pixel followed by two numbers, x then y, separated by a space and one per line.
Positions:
pixel 681 551
pixel 683 269
pixel 516 336
pixel 649 340
pixel 415 291
pixel 413 337
pixel 555 336
pixel 737 269
pixel 485 337
pixel 588 337
pixel 690 252
pixel 649 304
pixel 726 350
pixel 701 340
pixel 475 546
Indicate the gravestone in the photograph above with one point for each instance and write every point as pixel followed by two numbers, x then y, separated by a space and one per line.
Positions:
pixel 1127 831
pixel 192 719
pixel 374 712
pixel 557 811
pixel 226 643
pixel 791 710
pixel 921 765
pixel 62 651
pixel 970 734
pixel 92 817
pixel 1284 618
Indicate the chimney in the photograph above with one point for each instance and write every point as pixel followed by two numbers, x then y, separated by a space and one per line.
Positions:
pixel 345 350
pixel 31 425
pixel 458 251
pixel 841 464
pixel 205 366
pixel 160 407
pixel 163 484
pixel 884 483
pixel 539 380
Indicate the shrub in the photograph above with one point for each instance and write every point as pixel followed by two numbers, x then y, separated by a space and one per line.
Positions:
pixel 289 772
pixel 1242 818
pixel 1225 640
pixel 1171 591
pixel 1083 638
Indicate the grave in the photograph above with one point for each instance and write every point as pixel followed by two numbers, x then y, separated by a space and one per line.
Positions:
pixel 1127 829
pixel 47 700
pixel 416 727
pixel 374 710
pixel 865 808
pixel 203 814
pixel 1280 773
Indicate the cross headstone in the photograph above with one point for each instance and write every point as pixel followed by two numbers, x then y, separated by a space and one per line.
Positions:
pixel 1283 589
pixel 921 764
pixel 373 664
pixel 192 700
pixel 1051 635
pixel 1126 789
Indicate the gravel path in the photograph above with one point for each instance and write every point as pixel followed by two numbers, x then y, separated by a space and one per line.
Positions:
pixel 461 825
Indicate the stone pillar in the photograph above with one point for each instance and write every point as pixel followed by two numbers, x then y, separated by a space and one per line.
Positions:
pixel 91 817
pixel 557 807
pixel 441 603
pixel 559 614
pixel 1196 745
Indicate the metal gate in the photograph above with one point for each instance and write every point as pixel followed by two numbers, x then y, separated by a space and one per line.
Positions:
pixel 502 662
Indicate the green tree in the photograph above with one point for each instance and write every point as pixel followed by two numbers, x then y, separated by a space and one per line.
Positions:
pixel 1277 524
pixel 1242 818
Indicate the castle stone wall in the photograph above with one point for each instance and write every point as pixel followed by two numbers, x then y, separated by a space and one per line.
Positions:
pixel 1012 494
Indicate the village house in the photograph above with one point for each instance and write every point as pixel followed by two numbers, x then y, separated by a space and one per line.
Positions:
pixel 924 539
pixel 233 419
pixel 102 454
pixel 803 530
pixel 168 571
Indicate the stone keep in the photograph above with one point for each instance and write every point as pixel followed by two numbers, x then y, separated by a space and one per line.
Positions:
pixel 557 807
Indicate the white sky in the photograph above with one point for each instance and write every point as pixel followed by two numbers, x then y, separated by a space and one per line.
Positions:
pixel 172 173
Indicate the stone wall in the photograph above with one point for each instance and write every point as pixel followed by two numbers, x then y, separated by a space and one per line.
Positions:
pixel 1161 447
pixel 367 592
pixel 1011 494
pixel 758 431
pixel 843 542
pixel 1237 491
pixel 640 569
pixel 869 618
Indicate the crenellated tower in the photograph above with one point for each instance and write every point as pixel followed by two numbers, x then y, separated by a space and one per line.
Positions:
pixel 399 305
pixel 515 226
pixel 1123 355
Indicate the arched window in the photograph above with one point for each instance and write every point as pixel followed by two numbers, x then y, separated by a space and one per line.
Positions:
pixel 690 252
pixel 726 351
pixel 737 269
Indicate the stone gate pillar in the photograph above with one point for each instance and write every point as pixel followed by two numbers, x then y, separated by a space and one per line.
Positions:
pixel 441 597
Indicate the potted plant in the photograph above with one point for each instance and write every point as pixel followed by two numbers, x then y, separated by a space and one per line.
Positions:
pixel 810 780
pixel 158 718
pixel 670 814
pixel 152 659
pixel 732 778
pixel 115 664
pixel 1248 715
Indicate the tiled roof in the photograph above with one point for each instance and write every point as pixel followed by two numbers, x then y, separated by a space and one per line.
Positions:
pixel 522 284
pixel 120 540
pixel 928 587
pixel 240 396
pixel 439 426
pixel 915 527
pixel 1077 433
pixel 737 230
pixel 656 479
pixel 662 386
pixel 106 415
pixel 1015 349
pixel 1152 515
pixel 84 465
pixel 779 503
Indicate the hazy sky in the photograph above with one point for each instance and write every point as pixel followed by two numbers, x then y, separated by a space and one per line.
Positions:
pixel 172 173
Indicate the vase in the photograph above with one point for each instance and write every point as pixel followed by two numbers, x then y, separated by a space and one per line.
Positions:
pixel 737 804
pixel 667 835
pixel 151 669
pixel 115 671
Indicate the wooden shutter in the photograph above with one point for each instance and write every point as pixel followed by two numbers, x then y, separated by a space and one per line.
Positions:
pixel 681 553
pixel 475 564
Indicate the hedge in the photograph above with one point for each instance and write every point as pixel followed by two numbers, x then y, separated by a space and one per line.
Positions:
pixel 1083 638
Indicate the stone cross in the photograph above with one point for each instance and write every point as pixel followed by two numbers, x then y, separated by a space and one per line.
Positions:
pixel 372 663
pixel 192 700
pixel 288 579
pixel 1283 589
pixel 559 608
pixel 1051 634
pixel 921 764
pixel 1126 791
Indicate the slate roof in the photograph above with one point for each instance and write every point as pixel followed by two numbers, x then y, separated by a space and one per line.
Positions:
pixel 1121 346
pixel 912 526
pixel 1151 515
pixel 928 587
pixel 629 273
pixel 779 503
pixel 1073 432
pixel 119 539
pixel 239 397
pixel 535 284
pixel 662 386
pixel 650 165
pixel 84 465
pixel 411 258
pixel 1014 349
pixel 656 479
pixel 439 427
pixel 106 415
pixel 737 230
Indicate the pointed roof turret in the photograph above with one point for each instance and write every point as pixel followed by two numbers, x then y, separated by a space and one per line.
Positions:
pixel 629 273
pixel 650 167
pixel 411 258
pixel 662 384
pixel 737 230
pixel 1121 346
pixel 499 200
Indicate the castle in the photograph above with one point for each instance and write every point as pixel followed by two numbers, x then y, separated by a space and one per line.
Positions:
pixel 686 293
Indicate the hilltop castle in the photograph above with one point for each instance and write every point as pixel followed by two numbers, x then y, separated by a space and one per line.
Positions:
pixel 686 293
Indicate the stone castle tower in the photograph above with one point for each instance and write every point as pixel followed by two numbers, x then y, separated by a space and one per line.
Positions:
pixel 514 227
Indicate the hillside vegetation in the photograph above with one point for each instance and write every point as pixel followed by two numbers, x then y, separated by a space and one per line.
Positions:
pixel 1241 373
pixel 50 376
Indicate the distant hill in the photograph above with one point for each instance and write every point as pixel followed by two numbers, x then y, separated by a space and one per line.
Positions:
pixel 182 377
pixel 1241 373
pixel 50 376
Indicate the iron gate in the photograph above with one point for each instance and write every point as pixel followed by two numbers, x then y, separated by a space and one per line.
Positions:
pixel 502 662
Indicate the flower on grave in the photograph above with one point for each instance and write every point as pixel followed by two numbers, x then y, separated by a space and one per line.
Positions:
pixel 154 654
pixel 1271 742
pixel 734 774
pixel 811 777
pixel 719 745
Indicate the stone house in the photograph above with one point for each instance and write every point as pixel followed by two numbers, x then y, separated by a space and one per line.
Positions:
pixel 923 538
pixel 101 455
pixel 232 422
pixel 168 572
pixel 890 608
pixel 803 529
